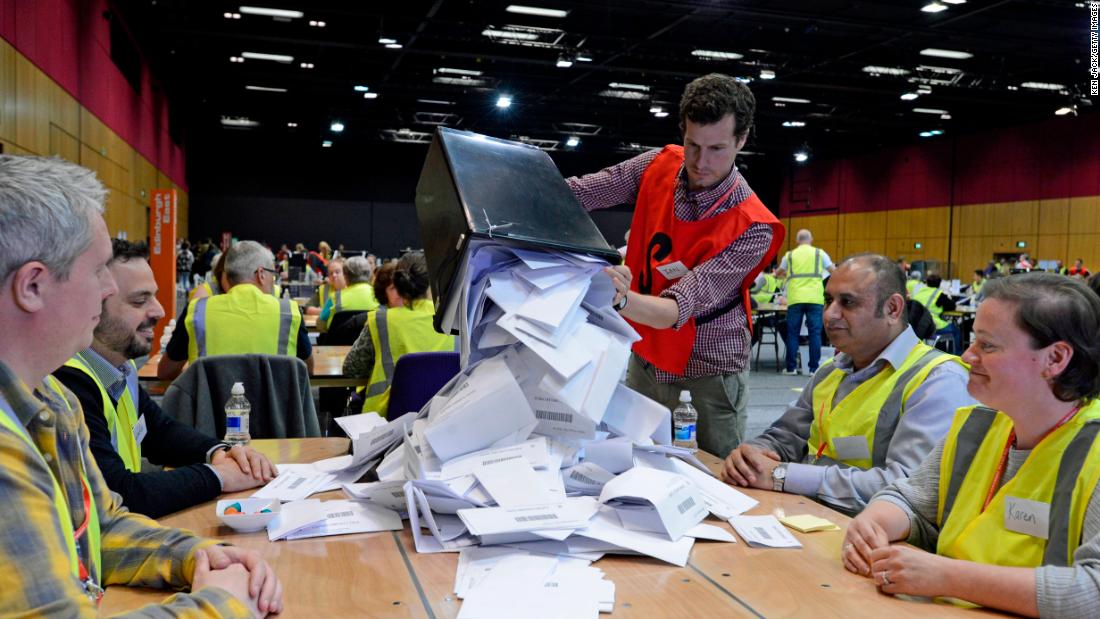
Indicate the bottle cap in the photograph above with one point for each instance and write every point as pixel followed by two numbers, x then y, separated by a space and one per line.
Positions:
pixel 685 396
pixel 238 389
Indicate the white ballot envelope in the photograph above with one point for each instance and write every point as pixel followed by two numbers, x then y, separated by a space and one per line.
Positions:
pixel 657 501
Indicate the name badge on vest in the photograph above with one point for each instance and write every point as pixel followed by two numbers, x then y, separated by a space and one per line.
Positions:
pixel 673 270
pixel 1027 517
pixel 851 448
pixel 140 429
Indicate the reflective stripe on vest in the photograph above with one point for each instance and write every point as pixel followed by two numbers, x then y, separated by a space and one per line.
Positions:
pixel 242 321
pixel 394 333
pixel 804 268
pixel 121 425
pixel 927 297
pixel 59 498
pixel 765 294
pixel 873 409
pixel 355 298
pixel 1061 471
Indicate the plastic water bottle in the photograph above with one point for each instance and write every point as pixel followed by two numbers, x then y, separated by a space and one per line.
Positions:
pixel 236 417
pixel 684 419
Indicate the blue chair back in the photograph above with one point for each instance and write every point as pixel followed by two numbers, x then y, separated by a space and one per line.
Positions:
pixel 417 377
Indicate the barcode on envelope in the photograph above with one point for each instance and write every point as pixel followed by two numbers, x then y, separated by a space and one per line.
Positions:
pixel 536 517
pixel 340 514
pixel 554 416
pixel 584 479
pixel 499 460
pixel 687 504
pixel 762 532
pixel 297 482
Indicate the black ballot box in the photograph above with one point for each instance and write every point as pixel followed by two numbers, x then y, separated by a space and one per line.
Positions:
pixel 476 187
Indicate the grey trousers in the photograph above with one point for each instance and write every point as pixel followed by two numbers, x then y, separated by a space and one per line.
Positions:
pixel 721 400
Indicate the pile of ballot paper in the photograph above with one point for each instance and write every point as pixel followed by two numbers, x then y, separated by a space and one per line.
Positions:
pixel 535 460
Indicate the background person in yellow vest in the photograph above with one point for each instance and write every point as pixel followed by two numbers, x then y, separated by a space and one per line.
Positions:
pixel 51 296
pixel 323 294
pixel 394 331
pixel 976 285
pixel 766 285
pixel 125 424
pixel 698 237
pixel 873 413
pixel 357 297
pixel 938 302
pixel 806 266
pixel 246 319
pixel 1008 502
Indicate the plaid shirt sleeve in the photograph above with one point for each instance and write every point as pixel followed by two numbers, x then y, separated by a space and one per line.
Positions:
pixel 135 550
pixel 611 186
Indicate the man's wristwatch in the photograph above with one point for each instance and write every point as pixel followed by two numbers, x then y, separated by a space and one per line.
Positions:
pixel 621 305
pixel 779 476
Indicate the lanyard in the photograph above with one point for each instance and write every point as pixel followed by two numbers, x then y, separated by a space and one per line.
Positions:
pixel 1008 445
pixel 721 200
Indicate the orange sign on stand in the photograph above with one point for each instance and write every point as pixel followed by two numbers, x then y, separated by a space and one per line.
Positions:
pixel 162 253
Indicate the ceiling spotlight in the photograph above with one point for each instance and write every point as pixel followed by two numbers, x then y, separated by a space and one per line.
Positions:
pixel 265 88
pixel 661 114
pixel 326 144
pixel 362 88
pixel 292 125
pixel 370 95
pixel 801 156
pixel 231 15
pixel 909 96
pixel 929 110
pixel 273 57
pixel 534 10
pixel 584 59
pixel 924 90
pixel 573 141
pixel 790 100
pixel 945 117
pixel 307 65
pixel 794 123
pixel 504 101
pixel 317 24
pixel 336 126
pixel 564 62
pixel 260 10
pixel 953 1
pixel 394 46
pixel 656 110
pixel 236 59
pixel 936 132
pixel 1062 111
pixel 926 134
pixel 934 7
pixel 766 74
pixel 629 86
pixel 946 53
pixel 385 41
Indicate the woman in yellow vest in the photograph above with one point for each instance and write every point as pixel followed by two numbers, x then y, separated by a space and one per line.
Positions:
pixel 358 296
pixel 1008 501
pixel 335 281
pixel 394 331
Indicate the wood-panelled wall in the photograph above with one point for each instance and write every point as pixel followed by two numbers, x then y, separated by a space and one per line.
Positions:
pixel 37 117
pixel 1059 229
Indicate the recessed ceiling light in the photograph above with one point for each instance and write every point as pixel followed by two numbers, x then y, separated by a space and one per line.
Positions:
pixel 766 74
pixel 493 33
pixel 563 62
pixel 929 110
pixel 584 59
pixel 953 1
pixel 711 54
pixel 265 88
pixel 661 114
pixel 435 102
pixel 909 96
pixel 926 134
pixel 336 126
pixel 458 71
pixel 307 65
pixel 385 41
pixel 655 109
pixel 936 132
pixel 236 59
pixel 877 70
pixel 231 15
pixel 790 100
pixel 924 90
pixel 394 46
pixel 292 125
pixel 534 10
pixel 1042 86
pixel 504 101
pixel 629 86
pixel 573 141
pixel 370 95
pixel 317 24
pixel 945 53
pixel 326 144
pixel 362 88
pixel 239 121
pixel 1062 111
pixel 794 123
pixel 260 10
pixel 945 117
pixel 273 57
pixel 934 7
pixel 801 156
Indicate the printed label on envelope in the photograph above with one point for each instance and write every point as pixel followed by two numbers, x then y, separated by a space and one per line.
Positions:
pixel 851 448
pixel 673 270
pixel 1027 517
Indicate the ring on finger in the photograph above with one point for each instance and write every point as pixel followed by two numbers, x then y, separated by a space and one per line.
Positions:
pixel 886 578
pixel 847 547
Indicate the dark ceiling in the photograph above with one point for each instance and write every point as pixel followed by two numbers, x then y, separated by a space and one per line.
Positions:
pixel 821 52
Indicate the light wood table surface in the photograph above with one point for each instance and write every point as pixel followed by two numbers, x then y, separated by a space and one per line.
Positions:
pixel 328 370
pixel 382 575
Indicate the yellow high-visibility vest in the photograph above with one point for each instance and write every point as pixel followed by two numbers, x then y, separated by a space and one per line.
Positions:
pixel 395 332
pixel 121 419
pixel 355 298
pixel 242 321
pixel 804 268
pixel 927 297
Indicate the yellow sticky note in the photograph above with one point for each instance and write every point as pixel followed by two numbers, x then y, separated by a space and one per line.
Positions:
pixel 808 524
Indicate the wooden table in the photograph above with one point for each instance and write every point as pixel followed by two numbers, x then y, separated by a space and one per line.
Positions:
pixel 382 575
pixel 328 370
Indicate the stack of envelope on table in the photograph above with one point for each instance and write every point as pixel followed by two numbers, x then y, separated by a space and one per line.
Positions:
pixel 536 459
